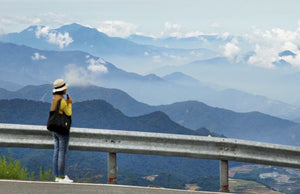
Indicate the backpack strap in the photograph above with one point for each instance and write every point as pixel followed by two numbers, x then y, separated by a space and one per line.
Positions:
pixel 58 105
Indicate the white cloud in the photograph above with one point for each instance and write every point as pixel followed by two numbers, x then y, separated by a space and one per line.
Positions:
pixel 117 28
pixel 42 31
pixel 264 57
pixel 178 31
pixel 62 40
pixel 171 30
pixel 224 35
pixel 83 76
pixel 75 75
pixel 231 49
pixel 290 46
pixel 295 61
pixel 37 56
pixel 49 18
pixel 193 34
pixel 269 43
pixel 6 21
pixel 97 66
pixel 170 27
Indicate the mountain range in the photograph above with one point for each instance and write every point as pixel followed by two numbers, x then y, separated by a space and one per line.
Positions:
pixel 119 51
pixel 90 166
pixel 92 114
pixel 22 65
pixel 100 114
pixel 170 85
pixel 277 83
pixel 190 114
pixel 204 61
pixel 201 41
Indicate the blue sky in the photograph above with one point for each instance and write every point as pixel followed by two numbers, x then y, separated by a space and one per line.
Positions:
pixel 264 27
pixel 267 27
pixel 153 17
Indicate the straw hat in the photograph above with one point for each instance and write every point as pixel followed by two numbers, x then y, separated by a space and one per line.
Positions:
pixel 59 85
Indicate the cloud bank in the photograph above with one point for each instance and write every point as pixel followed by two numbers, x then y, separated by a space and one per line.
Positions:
pixel 117 28
pixel 266 44
pixel 97 66
pixel 84 76
pixel 57 38
pixel 49 18
pixel 269 43
pixel 231 49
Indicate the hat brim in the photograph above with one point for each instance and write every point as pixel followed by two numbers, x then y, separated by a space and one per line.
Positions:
pixel 61 89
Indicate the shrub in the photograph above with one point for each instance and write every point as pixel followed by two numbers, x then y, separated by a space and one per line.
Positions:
pixel 11 169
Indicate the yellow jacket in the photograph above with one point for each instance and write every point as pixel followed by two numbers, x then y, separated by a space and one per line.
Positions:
pixel 64 106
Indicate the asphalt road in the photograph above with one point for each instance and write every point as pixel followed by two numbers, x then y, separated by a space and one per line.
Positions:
pixel 37 187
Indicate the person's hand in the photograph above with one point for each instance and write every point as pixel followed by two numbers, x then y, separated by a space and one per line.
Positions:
pixel 69 99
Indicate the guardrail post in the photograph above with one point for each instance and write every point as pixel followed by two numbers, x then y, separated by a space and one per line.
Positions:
pixel 224 185
pixel 112 168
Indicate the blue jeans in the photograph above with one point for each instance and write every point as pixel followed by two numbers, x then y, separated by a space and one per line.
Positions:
pixel 61 144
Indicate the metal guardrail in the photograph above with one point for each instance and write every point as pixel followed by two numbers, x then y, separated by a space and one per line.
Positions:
pixel 116 141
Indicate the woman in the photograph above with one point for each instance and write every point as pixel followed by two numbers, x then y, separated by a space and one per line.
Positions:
pixel 61 141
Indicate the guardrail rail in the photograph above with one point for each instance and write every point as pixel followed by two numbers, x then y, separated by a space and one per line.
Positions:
pixel 117 141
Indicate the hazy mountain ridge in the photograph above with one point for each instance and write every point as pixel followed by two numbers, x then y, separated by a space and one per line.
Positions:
pixel 191 114
pixel 251 126
pixel 85 166
pixel 25 65
pixel 103 115
pixel 17 61
pixel 117 50
pixel 277 83
pixel 204 41
pixel 106 116
pixel 166 92
pixel 19 66
pixel 202 85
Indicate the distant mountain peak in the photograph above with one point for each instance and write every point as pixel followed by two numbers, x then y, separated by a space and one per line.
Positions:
pixel 32 28
pixel 178 75
pixel 72 26
pixel 181 78
pixel 158 114
pixel 287 53
pixel 153 77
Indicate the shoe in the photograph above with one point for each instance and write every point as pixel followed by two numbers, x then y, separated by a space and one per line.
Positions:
pixel 57 179
pixel 63 180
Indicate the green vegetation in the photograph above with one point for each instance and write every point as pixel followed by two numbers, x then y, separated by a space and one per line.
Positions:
pixel 45 175
pixel 11 168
